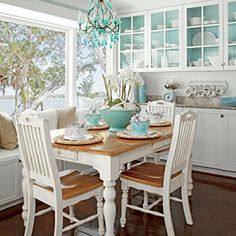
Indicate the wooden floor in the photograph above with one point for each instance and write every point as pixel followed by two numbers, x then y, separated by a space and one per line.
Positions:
pixel 213 207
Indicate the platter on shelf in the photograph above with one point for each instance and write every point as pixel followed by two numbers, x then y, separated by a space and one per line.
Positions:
pixel 161 124
pixel 208 38
pixel 88 139
pixel 128 134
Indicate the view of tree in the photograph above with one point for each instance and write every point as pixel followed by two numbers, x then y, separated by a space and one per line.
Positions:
pixel 32 62
pixel 89 59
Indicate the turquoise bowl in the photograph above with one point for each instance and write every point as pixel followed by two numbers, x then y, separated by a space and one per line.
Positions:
pixel 140 128
pixel 117 119
pixel 93 119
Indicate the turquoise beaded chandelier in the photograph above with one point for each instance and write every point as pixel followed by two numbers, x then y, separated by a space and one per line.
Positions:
pixel 101 26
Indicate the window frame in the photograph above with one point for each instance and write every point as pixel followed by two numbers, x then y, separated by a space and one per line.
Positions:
pixel 69 27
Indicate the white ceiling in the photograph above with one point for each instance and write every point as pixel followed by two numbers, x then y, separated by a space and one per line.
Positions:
pixel 119 5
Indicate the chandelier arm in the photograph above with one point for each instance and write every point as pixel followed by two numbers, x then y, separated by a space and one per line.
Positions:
pixel 88 17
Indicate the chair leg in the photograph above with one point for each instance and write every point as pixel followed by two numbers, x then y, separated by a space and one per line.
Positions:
pixel 71 212
pixel 124 201
pixel 167 215
pixel 58 221
pixel 30 216
pixel 145 199
pixel 185 202
pixel 99 198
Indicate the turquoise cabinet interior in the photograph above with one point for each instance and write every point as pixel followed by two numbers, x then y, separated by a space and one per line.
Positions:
pixel 160 44
pixel 132 42
pixel 165 39
pixel 203 36
pixel 232 33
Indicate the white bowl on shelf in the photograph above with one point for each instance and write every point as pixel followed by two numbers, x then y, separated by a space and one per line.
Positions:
pixel 195 21
pixel 234 15
pixel 175 23
pixel 213 60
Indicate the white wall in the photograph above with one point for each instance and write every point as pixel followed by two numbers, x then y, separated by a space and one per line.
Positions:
pixel 155 81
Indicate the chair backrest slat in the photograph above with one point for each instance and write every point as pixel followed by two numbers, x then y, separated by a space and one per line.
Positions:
pixel 182 142
pixel 168 108
pixel 36 150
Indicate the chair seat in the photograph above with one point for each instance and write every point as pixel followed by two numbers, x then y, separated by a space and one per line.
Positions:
pixel 147 173
pixel 75 183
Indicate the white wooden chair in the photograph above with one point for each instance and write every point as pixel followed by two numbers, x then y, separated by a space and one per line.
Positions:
pixel 168 109
pixel 45 183
pixel 162 180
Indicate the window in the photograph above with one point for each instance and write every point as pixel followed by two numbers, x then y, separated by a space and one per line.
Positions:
pixel 91 65
pixel 32 71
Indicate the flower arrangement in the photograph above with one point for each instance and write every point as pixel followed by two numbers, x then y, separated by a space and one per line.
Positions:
pixel 118 87
pixel 171 85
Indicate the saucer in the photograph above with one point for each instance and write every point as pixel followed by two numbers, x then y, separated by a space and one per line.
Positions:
pixel 72 138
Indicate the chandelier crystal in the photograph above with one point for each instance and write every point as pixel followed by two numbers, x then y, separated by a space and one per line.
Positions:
pixel 101 25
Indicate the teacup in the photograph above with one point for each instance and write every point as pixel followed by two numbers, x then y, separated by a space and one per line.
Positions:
pixel 156 118
pixel 93 120
pixel 140 128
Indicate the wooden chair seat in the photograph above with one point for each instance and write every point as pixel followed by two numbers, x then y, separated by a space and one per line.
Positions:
pixel 147 173
pixel 74 183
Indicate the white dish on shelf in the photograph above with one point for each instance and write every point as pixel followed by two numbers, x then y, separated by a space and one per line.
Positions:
pixel 232 62
pixel 213 60
pixel 234 15
pixel 208 39
pixel 195 21
pixel 214 21
pixel 127 31
pixel 175 23
pixel 159 27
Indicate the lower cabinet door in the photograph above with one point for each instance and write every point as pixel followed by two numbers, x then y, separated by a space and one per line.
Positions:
pixel 231 142
pixel 9 183
pixel 209 148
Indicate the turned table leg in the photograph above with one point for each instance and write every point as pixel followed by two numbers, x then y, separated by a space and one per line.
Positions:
pixel 109 206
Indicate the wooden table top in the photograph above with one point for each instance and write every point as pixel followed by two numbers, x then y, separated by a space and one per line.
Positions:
pixel 112 145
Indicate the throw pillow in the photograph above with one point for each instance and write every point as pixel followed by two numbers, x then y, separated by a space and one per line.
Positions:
pixel 8 137
pixel 66 117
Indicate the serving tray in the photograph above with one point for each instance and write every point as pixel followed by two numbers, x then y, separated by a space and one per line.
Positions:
pixel 94 139
pixel 130 135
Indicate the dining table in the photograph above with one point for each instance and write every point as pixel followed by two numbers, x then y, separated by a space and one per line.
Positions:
pixel 108 157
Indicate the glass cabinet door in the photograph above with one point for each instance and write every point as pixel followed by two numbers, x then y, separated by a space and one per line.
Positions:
pixel 231 37
pixel 132 42
pixel 165 39
pixel 203 36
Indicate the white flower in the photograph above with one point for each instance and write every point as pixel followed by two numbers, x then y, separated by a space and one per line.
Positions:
pixel 121 84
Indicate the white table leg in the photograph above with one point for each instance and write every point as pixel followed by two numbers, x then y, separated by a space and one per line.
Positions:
pixel 109 206
pixel 190 180
pixel 25 196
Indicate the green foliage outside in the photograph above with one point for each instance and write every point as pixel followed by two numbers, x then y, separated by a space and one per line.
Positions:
pixel 32 62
